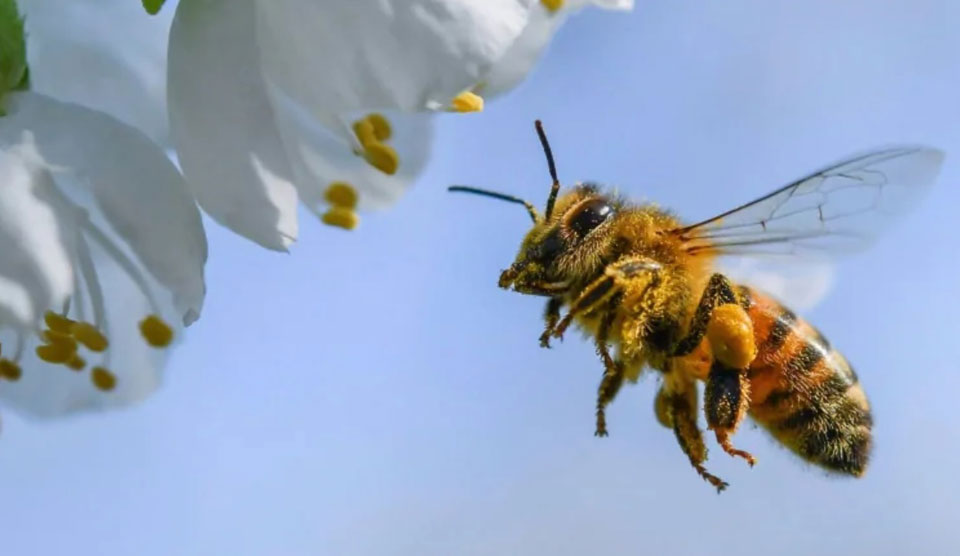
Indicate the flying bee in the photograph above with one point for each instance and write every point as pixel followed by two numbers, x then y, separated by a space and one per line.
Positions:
pixel 645 286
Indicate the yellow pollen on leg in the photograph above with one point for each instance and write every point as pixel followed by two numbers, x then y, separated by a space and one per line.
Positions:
pixel 103 379
pixel 88 335
pixel 10 370
pixel 156 332
pixel 382 157
pixel 730 333
pixel 76 363
pixel 552 5
pixel 57 323
pixel 467 102
pixel 341 194
pixel 341 218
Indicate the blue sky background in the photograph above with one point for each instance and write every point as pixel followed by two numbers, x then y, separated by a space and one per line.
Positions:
pixel 376 393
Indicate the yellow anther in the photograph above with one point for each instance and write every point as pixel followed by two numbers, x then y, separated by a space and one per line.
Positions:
pixel 365 132
pixel 341 218
pixel 552 5
pixel 381 126
pixel 467 102
pixel 341 194
pixel 10 370
pixel 58 353
pixel 57 323
pixel 76 363
pixel 156 332
pixel 730 333
pixel 54 337
pixel 382 157
pixel 88 335
pixel 103 379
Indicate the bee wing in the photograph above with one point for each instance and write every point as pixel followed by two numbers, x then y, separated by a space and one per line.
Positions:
pixel 837 210
pixel 796 283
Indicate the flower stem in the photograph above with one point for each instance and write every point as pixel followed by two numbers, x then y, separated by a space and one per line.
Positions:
pixel 13 50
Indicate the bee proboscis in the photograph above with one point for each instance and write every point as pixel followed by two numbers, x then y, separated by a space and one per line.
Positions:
pixel 645 286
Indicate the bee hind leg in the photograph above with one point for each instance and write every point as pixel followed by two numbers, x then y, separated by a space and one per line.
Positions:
pixel 682 416
pixel 726 400
pixel 727 327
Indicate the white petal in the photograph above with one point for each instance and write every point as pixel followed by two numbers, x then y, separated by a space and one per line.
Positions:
pixel 340 57
pixel 35 268
pixel 104 54
pixel 45 390
pixel 605 4
pixel 222 123
pixel 123 178
pixel 513 67
pixel 320 157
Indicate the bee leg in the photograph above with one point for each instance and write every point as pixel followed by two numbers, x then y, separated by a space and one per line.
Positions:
pixel 726 400
pixel 719 291
pixel 727 395
pixel 613 370
pixel 605 287
pixel 551 315
pixel 593 295
pixel 682 415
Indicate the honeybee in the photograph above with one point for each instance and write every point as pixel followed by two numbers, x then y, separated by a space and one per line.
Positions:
pixel 646 287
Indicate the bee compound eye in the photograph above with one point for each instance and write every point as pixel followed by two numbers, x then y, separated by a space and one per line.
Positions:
pixel 589 216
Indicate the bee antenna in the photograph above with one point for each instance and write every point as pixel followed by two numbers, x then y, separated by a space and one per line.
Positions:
pixel 532 210
pixel 555 187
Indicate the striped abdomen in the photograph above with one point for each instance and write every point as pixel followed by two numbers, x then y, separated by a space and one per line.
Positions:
pixel 803 392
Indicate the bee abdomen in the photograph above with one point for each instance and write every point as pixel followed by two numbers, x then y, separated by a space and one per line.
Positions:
pixel 805 393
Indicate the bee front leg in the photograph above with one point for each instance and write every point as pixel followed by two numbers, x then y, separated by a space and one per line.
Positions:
pixel 613 370
pixel 551 315
pixel 615 277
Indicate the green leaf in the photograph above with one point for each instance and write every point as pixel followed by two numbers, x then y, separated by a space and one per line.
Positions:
pixel 13 47
pixel 153 6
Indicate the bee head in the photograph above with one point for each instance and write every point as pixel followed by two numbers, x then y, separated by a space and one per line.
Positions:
pixel 566 243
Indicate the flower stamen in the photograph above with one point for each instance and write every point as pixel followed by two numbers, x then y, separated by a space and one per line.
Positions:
pixel 381 126
pixel 156 332
pixel 382 157
pixel 467 101
pixel 341 218
pixel 103 379
pixel 341 194
pixel 9 370
pixel 76 363
pixel 57 353
pixel 552 6
pixel 57 323
pixel 371 131
pixel 88 335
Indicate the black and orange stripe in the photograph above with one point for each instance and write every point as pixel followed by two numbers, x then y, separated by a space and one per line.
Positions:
pixel 803 391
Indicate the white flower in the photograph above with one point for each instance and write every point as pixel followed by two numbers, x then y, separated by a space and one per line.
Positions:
pixel 278 101
pixel 101 258
pixel 103 54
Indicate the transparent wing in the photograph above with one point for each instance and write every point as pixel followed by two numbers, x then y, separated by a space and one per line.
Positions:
pixel 837 210
pixel 799 284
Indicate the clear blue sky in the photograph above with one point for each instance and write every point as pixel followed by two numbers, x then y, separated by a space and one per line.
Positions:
pixel 376 393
